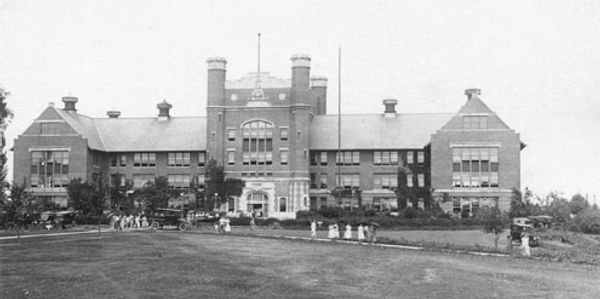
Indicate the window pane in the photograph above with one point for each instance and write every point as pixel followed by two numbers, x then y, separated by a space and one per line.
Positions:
pixel 377 157
pixel 394 157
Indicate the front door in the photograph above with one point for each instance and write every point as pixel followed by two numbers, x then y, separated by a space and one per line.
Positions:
pixel 258 204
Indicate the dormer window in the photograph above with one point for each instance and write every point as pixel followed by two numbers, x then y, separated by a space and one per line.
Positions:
pixel 472 122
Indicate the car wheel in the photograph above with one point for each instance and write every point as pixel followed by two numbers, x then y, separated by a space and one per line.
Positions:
pixel 182 226
pixel 155 225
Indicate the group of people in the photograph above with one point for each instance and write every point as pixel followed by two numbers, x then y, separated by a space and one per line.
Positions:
pixel 127 221
pixel 223 225
pixel 365 232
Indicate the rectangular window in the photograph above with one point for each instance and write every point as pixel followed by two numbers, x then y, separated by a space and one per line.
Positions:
pixel 179 181
pixel 122 160
pixel 283 157
pixel 377 158
pixel 49 128
pixel 201 159
pixel 323 181
pixel 313 180
pixel 349 180
pixel 420 157
pixel 144 160
pixel 475 122
pixel 114 160
pixel 284 133
pixel 385 181
pixel 475 167
pixel 323 158
pixel 421 179
pixel 410 158
pixel 313 158
pixel 356 158
pixel 231 134
pixel 385 158
pixel 409 180
pixel 178 159
pixel 231 157
pixel 394 158
pixel 49 169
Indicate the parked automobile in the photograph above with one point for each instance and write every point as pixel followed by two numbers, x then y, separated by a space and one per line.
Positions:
pixel 58 219
pixel 161 217
pixel 521 225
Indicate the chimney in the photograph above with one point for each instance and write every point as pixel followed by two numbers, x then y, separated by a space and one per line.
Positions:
pixel 163 110
pixel 113 114
pixel 69 103
pixel 472 93
pixel 390 108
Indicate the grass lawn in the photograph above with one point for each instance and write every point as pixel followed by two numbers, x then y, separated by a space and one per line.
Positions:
pixel 457 237
pixel 191 265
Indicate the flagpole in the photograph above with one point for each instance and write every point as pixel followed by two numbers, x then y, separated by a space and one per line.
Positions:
pixel 339 159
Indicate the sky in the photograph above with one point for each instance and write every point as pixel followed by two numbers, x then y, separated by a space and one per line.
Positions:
pixel 536 62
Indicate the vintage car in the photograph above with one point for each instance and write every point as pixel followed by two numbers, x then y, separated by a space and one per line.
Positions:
pixel 171 217
pixel 58 219
pixel 520 226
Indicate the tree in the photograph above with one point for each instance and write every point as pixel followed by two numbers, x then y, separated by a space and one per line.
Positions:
pixel 118 193
pixel 5 116
pixel 494 221
pixel 403 195
pixel 558 207
pixel 88 198
pixel 578 204
pixel 19 207
pixel 155 194
pixel 218 188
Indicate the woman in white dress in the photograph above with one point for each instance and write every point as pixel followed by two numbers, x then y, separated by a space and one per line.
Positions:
pixel 331 232
pixel 348 232
pixel 361 233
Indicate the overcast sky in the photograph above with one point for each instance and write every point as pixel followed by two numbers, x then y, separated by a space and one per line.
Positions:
pixel 537 62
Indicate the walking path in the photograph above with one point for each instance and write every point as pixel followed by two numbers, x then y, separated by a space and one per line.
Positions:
pixel 52 234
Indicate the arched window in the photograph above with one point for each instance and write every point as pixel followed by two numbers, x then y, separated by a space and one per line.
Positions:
pixel 257 146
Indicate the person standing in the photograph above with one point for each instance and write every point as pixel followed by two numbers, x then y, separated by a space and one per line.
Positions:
pixel 373 234
pixel 348 232
pixel 227 225
pixel 525 249
pixel 331 232
pixel 313 229
pixel 252 224
pixel 366 229
pixel 336 230
pixel 361 233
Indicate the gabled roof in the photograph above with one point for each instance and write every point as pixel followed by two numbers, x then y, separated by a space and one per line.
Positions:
pixel 475 106
pixel 151 134
pixel 83 125
pixel 375 131
pixel 139 134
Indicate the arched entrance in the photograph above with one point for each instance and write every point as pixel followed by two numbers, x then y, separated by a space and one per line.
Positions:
pixel 258 204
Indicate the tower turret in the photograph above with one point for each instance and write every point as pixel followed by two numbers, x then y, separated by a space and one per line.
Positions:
pixel 216 81
pixel 301 79
pixel 318 84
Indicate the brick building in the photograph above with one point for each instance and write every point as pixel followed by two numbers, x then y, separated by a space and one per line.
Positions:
pixel 275 135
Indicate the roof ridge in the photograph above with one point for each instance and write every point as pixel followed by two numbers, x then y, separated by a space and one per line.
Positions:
pixel 144 117
pixel 382 114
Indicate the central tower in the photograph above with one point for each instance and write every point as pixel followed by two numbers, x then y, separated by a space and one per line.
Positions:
pixel 258 128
